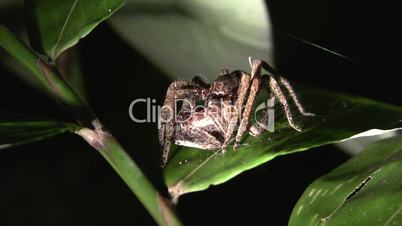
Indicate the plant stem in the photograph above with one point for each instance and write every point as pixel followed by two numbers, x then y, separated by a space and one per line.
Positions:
pixel 111 150
pixel 159 208
pixel 66 95
pixel 48 76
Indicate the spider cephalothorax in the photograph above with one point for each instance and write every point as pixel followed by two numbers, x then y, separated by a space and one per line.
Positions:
pixel 206 116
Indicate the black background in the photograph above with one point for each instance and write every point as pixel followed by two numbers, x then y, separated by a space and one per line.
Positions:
pixel 62 181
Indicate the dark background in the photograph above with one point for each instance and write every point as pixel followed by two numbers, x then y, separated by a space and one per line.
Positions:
pixel 62 181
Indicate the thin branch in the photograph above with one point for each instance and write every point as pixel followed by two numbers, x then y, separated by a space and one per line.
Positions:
pixel 93 132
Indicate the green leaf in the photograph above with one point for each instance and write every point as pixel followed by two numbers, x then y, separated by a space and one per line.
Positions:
pixel 68 63
pixel 48 75
pixel 71 74
pixel 187 38
pixel 20 132
pixel 55 26
pixel 338 117
pixel 357 145
pixel 365 190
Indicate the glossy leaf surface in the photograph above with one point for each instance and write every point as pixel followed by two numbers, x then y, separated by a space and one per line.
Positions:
pixel 365 190
pixel 55 26
pixel 338 117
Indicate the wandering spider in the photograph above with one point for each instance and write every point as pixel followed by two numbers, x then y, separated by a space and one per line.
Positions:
pixel 209 114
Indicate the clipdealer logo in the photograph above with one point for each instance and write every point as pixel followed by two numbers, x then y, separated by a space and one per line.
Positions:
pixel 265 120
pixel 151 108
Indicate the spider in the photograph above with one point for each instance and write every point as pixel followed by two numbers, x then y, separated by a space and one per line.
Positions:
pixel 210 116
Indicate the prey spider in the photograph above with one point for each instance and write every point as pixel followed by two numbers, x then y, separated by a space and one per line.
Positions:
pixel 210 114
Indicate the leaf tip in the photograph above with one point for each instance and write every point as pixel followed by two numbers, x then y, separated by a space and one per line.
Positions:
pixel 176 191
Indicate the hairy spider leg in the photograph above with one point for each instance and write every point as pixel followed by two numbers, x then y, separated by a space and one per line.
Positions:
pixel 273 85
pixel 292 93
pixel 177 90
pixel 257 129
pixel 245 81
pixel 282 100
pixel 254 88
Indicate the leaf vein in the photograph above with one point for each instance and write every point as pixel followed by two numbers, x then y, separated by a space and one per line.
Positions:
pixel 393 215
pixel 63 28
